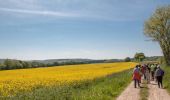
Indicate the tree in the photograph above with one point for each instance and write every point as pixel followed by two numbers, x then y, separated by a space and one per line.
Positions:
pixel 139 56
pixel 56 64
pixel 8 63
pixel 28 65
pixel 17 64
pixel 35 64
pixel 127 59
pixel 157 27
pixel 2 66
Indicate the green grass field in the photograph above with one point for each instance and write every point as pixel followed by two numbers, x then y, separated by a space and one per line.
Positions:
pixel 166 79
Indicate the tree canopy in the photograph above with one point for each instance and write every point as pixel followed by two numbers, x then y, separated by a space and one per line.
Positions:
pixel 157 27
pixel 139 56
pixel 127 59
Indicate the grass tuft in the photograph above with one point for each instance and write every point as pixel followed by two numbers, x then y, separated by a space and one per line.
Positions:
pixel 166 78
pixel 144 91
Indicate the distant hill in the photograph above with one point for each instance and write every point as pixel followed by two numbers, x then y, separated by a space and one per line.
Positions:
pixel 152 58
pixel 51 61
pixel 19 64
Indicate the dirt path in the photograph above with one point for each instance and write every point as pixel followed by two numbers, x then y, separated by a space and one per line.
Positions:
pixel 130 93
pixel 156 93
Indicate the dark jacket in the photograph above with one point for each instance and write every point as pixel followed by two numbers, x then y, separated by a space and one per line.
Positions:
pixel 159 72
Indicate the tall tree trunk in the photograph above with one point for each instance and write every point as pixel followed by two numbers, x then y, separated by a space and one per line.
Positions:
pixel 168 56
pixel 166 51
pixel 167 59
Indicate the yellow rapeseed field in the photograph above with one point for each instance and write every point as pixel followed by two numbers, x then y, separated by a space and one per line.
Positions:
pixel 15 81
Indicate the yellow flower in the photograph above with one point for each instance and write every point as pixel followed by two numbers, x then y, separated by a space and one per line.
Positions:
pixel 14 81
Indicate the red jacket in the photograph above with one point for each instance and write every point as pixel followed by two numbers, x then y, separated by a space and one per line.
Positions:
pixel 136 74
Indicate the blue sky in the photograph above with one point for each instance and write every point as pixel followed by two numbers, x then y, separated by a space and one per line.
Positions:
pixel 95 29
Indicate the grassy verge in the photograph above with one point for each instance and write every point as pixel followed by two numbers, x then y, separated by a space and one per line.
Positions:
pixel 144 92
pixel 166 79
pixel 105 88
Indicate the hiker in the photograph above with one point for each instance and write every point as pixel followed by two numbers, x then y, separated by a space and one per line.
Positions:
pixel 143 71
pixel 136 76
pixel 140 73
pixel 149 67
pixel 147 73
pixel 159 76
pixel 155 68
pixel 152 71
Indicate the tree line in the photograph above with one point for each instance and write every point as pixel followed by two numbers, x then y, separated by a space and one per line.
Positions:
pixel 9 64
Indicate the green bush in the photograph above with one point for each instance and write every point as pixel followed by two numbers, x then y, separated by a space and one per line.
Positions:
pixel 166 79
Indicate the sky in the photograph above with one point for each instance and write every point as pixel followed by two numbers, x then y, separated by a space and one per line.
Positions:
pixel 59 29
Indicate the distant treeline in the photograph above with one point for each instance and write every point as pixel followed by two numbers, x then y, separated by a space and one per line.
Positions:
pixel 9 64
pixel 153 58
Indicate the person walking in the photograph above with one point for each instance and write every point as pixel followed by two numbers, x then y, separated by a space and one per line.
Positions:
pixel 155 68
pixel 140 73
pixel 144 71
pixel 136 76
pixel 152 72
pixel 159 76
pixel 147 73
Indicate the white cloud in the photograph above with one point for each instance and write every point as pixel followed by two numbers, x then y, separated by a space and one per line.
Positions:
pixel 116 10
pixel 38 12
pixel 96 9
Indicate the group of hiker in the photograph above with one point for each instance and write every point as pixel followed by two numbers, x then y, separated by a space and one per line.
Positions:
pixel 148 72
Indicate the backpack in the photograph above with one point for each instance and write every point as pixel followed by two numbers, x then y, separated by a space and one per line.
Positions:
pixel 162 73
